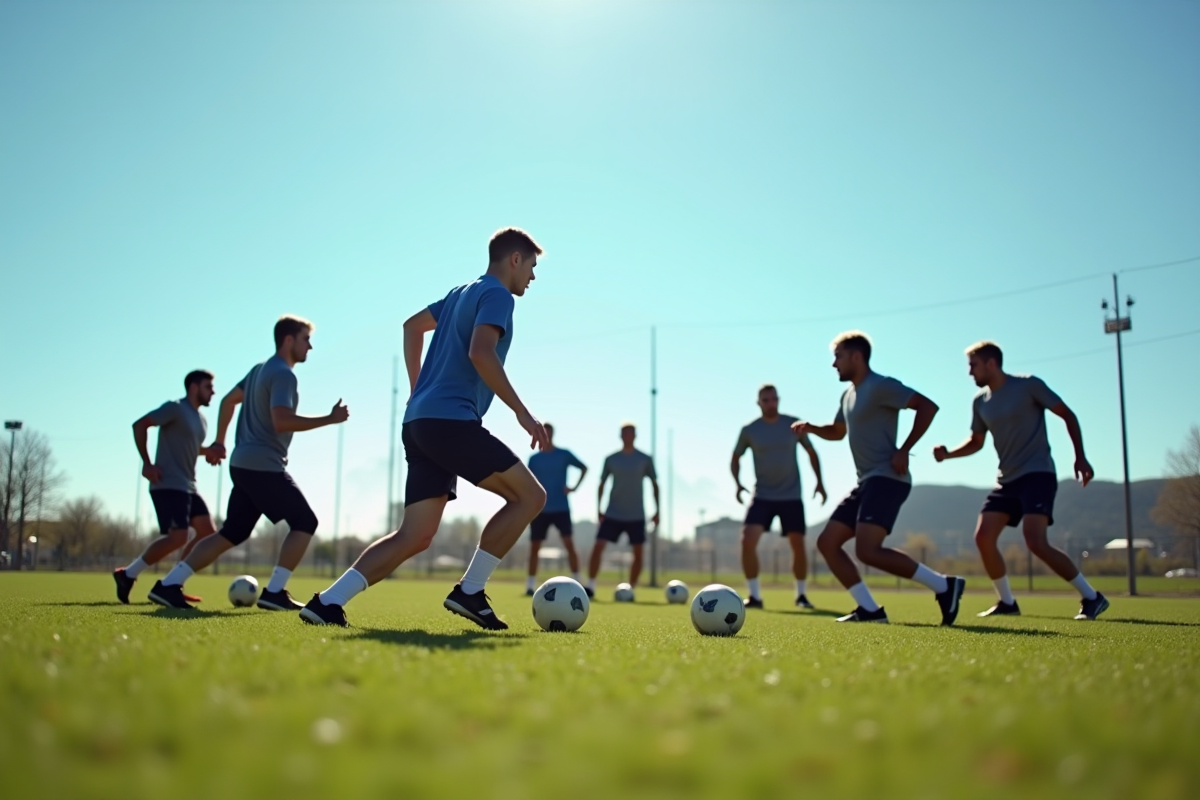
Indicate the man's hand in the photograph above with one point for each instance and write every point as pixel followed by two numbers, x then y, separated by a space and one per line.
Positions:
pixel 800 428
pixel 214 454
pixel 1083 471
pixel 599 519
pixel 151 473
pixel 740 489
pixel 537 431
pixel 567 490
pixel 900 462
pixel 654 519
pixel 940 453
pixel 340 412
pixel 820 490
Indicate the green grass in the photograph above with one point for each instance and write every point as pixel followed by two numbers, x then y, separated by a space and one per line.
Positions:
pixel 103 700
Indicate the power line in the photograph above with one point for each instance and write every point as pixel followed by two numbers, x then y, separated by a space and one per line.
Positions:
pixel 1097 350
pixel 1160 266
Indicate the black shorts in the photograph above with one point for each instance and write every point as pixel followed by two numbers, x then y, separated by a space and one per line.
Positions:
pixel 176 508
pixel 542 522
pixel 1029 494
pixel 875 501
pixel 440 450
pixel 271 494
pixel 611 530
pixel 790 513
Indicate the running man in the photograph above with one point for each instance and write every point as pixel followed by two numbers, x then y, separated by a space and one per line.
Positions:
pixel 1013 408
pixel 626 513
pixel 172 476
pixel 258 469
pixel 772 441
pixel 550 468
pixel 444 437
pixel 869 414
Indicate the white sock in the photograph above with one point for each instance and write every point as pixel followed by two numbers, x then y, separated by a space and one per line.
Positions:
pixel 1004 590
pixel 529 583
pixel 933 580
pixel 178 574
pixel 482 565
pixel 279 579
pixel 801 586
pixel 135 569
pixel 575 576
pixel 862 596
pixel 1085 589
pixel 591 584
pixel 344 588
pixel 755 592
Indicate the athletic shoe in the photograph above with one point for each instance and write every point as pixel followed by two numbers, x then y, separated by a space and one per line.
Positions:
pixel 802 602
pixel 318 613
pixel 124 584
pixel 474 607
pixel 529 592
pixel 589 592
pixel 169 596
pixel 948 600
pixel 278 601
pixel 192 598
pixel 753 602
pixel 1002 609
pixel 860 614
pixel 1090 609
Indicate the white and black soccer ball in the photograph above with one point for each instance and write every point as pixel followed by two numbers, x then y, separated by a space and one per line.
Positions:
pixel 243 592
pixel 624 593
pixel 560 604
pixel 718 610
pixel 677 592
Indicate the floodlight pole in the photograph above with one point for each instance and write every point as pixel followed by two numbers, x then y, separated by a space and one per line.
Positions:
pixel 337 499
pixel 12 426
pixel 391 505
pixel 1117 325
pixel 654 444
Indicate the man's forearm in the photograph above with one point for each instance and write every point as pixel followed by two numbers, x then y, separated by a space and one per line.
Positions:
pixel 414 343
pixel 140 439
pixel 826 432
pixel 968 448
pixel 1076 434
pixel 224 417
pixel 297 423
pixel 492 372
pixel 921 423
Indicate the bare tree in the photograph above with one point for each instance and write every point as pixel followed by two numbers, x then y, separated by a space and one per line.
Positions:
pixel 78 521
pixel 29 488
pixel 1179 502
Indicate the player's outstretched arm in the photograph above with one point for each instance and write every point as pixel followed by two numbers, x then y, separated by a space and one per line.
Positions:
pixel 814 461
pixel 482 353
pixel 600 494
pixel 1083 470
pixel 286 420
pixel 970 447
pixel 578 483
pixel 830 433
pixel 141 430
pixel 926 410
pixel 216 451
pixel 415 328
pixel 655 518
pixel 735 466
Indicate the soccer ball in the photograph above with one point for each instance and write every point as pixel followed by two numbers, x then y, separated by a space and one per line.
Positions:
pixel 677 592
pixel 560 604
pixel 243 592
pixel 624 593
pixel 717 610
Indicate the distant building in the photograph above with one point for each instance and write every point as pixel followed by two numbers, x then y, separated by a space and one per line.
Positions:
pixel 720 533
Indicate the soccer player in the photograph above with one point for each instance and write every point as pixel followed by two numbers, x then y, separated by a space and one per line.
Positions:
pixel 172 476
pixel 550 468
pixel 772 441
pixel 258 468
pixel 626 513
pixel 869 415
pixel 444 437
pixel 1013 408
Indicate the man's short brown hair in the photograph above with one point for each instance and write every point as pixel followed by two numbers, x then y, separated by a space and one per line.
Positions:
pixel 196 376
pixel 767 387
pixel 507 241
pixel 987 350
pixel 288 325
pixel 855 342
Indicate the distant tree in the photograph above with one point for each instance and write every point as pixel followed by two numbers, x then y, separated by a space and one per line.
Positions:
pixel 78 523
pixel 27 490
pixel 919 545
pixel 1179 502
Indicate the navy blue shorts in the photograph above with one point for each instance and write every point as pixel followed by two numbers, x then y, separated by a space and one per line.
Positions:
pixel 875 501
pixel 1029 494
pixel 176 508
pixel 540 527
pixel 440 450
pixel 271 494
pixel 611 530
pixel 790 513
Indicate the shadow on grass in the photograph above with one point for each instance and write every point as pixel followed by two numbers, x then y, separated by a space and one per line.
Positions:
pixel 91 604
pixel 1035 632
pixel 1128 620
pixel 160 612
pixel 815 612
pixel 464 640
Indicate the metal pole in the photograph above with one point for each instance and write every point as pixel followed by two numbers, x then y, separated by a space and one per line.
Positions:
pixel 391 504
pixel 654 443
pixel 137 506
pixel 1131 556
pixel 671 484
pixel 8 489
pixel 337 499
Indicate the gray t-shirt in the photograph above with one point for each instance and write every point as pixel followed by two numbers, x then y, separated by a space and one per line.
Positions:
pixel 628 470
pixel 271 384
pixel 773 444
pixel 1016 416
pixel 871 412
pixel 181 432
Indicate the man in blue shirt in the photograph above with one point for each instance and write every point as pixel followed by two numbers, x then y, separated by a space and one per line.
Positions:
pixel 550 468
pixel 444 437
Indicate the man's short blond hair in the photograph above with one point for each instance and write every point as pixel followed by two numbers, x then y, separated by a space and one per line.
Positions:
pixel 987 350
pixel 855 342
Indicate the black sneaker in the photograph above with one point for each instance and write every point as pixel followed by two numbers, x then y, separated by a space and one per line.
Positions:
pixel 529 592
pixel 169 596
pixel 860 614
pixel 318 613
pixel 278 601
pixel 948 600
pixel 1002 609
pixel 589 592
pixel 1090 609
pixel 802 602
pixel 753 602
pixel 475 608
pixel 124 584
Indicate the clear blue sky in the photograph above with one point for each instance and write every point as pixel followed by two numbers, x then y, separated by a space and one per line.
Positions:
pixel 751 177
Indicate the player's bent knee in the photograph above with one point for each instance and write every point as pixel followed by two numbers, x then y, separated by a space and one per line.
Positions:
pixel 305 523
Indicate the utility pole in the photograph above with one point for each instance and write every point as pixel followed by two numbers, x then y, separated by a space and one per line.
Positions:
pixel 337 498
pixel 12 426
pixel 654 444
pixel 1118 324
pixel 391 505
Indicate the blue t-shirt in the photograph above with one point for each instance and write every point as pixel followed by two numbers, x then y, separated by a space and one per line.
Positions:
pixel 449 386
pixel 551 471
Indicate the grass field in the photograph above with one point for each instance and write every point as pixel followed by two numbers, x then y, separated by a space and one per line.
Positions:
pixel 104 700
